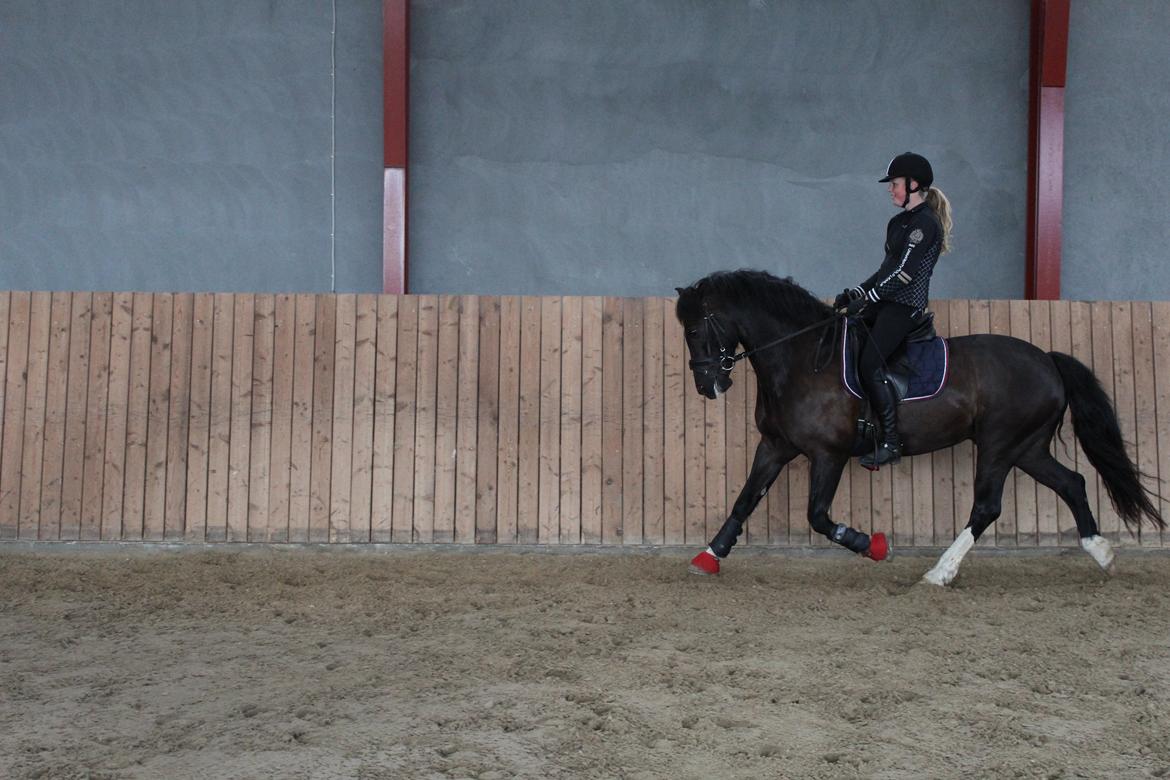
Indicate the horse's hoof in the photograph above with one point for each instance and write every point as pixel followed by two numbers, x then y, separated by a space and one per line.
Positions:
pixel 879 547
pixel 704 563
pixel 935 578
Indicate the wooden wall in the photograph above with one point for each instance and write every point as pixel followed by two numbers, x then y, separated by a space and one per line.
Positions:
pixel 361 418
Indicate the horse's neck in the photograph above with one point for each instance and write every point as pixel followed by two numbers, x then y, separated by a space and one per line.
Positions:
pixel 771 362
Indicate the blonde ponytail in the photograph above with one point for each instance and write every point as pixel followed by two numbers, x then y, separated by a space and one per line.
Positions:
pixel 942 207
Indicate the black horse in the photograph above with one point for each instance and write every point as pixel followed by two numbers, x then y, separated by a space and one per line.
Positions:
pixel 1005 394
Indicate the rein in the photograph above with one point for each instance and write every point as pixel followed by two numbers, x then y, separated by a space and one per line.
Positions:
pixel 726 362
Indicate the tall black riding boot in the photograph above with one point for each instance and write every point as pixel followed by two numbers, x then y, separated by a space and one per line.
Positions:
pixel 885 407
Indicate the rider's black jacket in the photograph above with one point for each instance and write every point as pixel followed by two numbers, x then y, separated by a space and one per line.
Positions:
pixel 913 244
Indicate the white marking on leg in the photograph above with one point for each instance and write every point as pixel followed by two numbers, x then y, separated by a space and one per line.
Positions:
pixel 1101 550
pixel 948 565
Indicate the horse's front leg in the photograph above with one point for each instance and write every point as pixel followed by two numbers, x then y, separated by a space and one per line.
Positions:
pixel 824 476
pixel 766 466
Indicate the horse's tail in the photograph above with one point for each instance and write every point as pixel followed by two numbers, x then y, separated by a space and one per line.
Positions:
pixel 1096 427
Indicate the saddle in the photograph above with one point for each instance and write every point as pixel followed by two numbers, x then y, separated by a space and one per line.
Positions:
pixel 916 371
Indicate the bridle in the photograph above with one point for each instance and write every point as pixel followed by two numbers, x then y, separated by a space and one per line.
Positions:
pixel 727 358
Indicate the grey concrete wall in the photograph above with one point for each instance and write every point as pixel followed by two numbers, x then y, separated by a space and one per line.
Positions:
pixel 585 147
pixel 602 147
pixel 1117 164
pixel 186 146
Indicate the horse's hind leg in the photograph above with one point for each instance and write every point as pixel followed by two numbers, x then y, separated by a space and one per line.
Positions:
pixel 990 473
pixel 1070 486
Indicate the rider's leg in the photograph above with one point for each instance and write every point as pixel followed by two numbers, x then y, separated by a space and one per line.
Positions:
pixel 890 327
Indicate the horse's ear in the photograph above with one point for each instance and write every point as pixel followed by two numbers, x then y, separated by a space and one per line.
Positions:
pixel 680 290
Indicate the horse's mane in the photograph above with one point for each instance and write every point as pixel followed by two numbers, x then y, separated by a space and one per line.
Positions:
pixel 747 288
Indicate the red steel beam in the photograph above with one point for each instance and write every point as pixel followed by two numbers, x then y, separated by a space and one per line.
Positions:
pixel 395 103
pixel 1049 60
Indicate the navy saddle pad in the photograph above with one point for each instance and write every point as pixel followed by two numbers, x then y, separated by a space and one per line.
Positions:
pixel 918 370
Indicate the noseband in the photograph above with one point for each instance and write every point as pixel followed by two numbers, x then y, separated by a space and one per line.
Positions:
pixel 726 361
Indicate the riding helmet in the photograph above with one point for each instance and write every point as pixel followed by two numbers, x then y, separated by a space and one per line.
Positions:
pixel 912 166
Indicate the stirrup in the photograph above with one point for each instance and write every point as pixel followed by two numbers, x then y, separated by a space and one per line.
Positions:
pixel 883 455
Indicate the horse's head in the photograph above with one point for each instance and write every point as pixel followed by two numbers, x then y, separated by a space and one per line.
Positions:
pixel 709 339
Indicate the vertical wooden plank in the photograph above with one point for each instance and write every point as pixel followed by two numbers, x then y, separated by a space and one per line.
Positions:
pixel 15 394
pixel 220 428
pixel 301 459
pixel 1082 350
pixel 106 419
pixel 611 425
pixel 260 450
pixel 675 386
pixel 1005 526
pixel 240 442
pixel 528 461
pixel 178 418
pixel 631 420
pixel 549 477
pixel 385 409
pixel 365 361
pixel 33 452
pixel 5 303
pixel 862 486
pixel 1123 380
pixel 923 501
pixel 799 531
pixel 199 417
pixel 158 417
pixel 778 511
pixel 592 318
pixel 56 415
pixel 570 433
pixel 467 422
pixel 756 531
pixel 284 328
pixel 963 464
pixel 427 363
pixel 694 469
pixel 943 461
pixel 1145 394
pixel 1046 499
pixel 1026 522
pixel 735 442
pixel 321 470
pixel 446 419
pixel 652 426
pixel 487 444
pixel 509 431
pixel 341 427
pixel 405 409
pixel 73 465
pixel 1104 368
pixel 1062 448
pixel 137 418
pixel 1161 371
pixel 715 463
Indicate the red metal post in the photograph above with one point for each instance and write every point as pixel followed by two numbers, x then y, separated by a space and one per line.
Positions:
pixel 1049 58
pixel 395 103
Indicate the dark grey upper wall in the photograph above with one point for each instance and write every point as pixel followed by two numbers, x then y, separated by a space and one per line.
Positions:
pixel 1117 152
pixel 186 146
pixel 596 147
pixel 563 147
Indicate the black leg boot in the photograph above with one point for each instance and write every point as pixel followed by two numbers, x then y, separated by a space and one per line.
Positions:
pixel 885 407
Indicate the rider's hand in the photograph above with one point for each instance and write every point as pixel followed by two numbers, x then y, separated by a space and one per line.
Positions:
pixel 854 308
pixel 842 300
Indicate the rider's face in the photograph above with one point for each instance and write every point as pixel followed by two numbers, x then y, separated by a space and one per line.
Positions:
pixel 897 188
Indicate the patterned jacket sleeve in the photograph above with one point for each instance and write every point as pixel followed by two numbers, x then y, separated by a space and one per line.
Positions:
pixel 901 269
